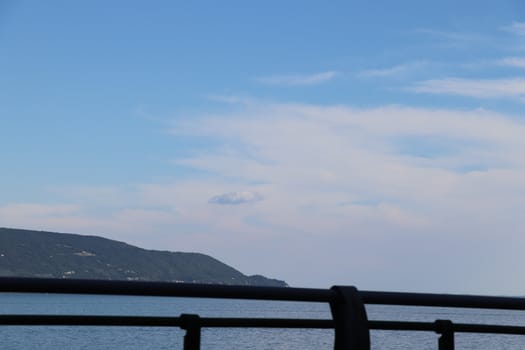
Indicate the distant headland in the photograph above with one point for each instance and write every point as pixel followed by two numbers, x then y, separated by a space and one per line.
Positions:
pixel 27 253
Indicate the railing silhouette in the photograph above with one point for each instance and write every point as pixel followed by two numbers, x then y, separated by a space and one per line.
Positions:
pixel 347 304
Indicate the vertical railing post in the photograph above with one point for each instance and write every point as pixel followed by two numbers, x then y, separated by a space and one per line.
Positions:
pixel 351 322
pixel 446 339
pixel 192 338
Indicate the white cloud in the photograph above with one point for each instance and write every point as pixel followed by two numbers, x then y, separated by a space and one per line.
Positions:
pixel 235 198
pixel 232 99
pixel 518 62
pixel 517 28
pixel 13 211
pixel 397 70
pixel 454 39
pixel 478 88
pixel 298 80
pixel 335 154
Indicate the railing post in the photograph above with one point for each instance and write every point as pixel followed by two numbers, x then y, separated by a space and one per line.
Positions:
pixel 446 339
pixel 192 338
pixel 351 322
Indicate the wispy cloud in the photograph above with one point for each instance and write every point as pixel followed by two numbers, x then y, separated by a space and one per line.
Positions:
pixel 478 88
pixel 299 79
pixel 232 99
pixel 452 38
pixel 240 197
pixel 517 62
pixel 13 211
pixel 516 28
pixel 392 71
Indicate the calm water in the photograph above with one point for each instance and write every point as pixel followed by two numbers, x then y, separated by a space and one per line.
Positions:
pixel 102 338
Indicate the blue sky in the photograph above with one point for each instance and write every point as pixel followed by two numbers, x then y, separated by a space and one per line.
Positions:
pixel 379 145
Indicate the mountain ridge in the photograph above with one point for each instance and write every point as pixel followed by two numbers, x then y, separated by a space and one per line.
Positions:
pixel 30 253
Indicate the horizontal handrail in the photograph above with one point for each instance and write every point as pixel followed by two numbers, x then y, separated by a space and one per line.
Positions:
pixel 455 327
pixel 443 300
pixel 163 289
pixel 234 322
pixel 169 289
pixel 155 321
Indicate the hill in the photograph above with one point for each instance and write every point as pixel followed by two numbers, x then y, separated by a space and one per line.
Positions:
pixel 25 253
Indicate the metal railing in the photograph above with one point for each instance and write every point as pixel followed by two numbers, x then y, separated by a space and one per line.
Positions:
pixel 347 304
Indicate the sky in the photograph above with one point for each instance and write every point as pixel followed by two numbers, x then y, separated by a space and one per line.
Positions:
pixel 377 144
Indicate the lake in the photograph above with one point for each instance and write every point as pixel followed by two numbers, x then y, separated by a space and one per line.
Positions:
pixel 102 338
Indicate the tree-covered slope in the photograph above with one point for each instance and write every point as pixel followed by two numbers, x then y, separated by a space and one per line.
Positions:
pixel 26 253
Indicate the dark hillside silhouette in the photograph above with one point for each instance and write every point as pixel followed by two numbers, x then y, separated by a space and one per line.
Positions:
pixel 26 253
